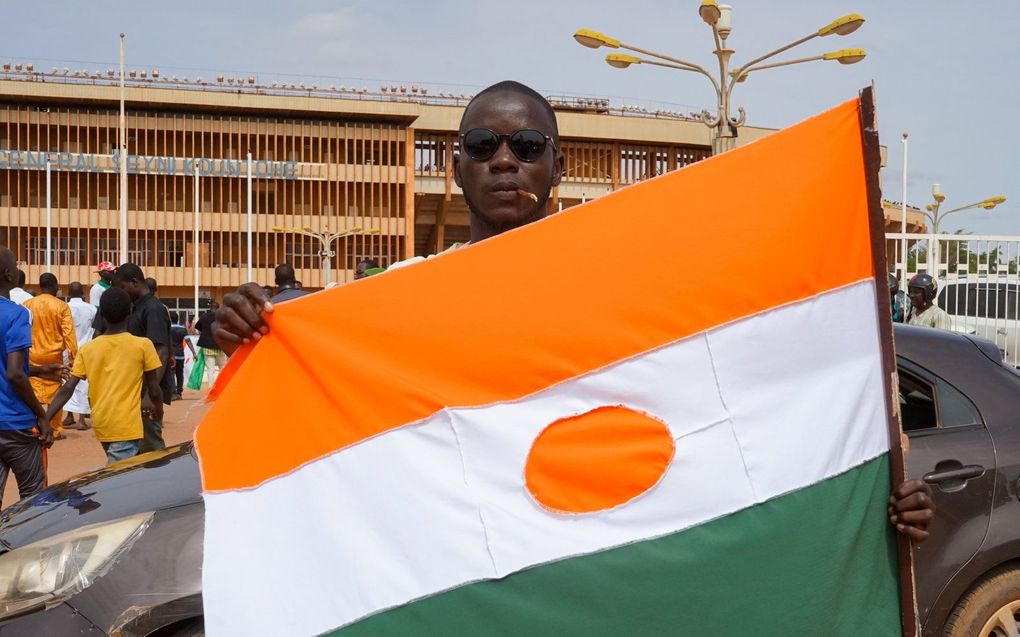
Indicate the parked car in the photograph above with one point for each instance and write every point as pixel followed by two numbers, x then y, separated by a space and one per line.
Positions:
pixel 119 550
pixel 986 307
pixel 961 412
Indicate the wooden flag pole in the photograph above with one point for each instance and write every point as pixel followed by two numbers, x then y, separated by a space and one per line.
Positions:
pixel 872 164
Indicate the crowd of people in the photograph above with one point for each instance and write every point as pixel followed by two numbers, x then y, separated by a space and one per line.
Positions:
pixel 109 364
pixel 107 361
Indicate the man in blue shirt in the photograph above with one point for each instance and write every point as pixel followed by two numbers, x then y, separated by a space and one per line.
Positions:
pixel 24 430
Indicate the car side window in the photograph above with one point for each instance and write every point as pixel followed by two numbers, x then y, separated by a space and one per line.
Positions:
pixel 929 402
pixel 980 300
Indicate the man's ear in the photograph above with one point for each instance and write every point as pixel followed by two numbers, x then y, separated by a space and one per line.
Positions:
pixel 557 168
pixel 456 170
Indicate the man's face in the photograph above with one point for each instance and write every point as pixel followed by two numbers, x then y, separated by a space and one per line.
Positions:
pixel 490 186
pixel 135 289
pixel 106 275
pixel 916 297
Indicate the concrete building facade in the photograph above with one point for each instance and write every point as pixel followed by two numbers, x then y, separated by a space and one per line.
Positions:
pixel 376 163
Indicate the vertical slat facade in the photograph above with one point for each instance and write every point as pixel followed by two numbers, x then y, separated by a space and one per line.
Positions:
pixel 350 175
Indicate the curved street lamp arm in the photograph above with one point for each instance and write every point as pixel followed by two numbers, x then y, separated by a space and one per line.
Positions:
pixel 739 121
pixel 707 118
pixel 677 63
pixel 748 65
pixel 973 205
pixel 309 233
pixel 744 70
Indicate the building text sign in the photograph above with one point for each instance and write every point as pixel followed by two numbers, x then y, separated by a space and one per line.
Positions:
pixel 147 165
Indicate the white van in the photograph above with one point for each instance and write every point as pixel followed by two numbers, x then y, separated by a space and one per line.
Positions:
pixel 986 307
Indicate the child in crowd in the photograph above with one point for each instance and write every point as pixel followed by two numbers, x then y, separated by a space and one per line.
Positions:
pixel 116 365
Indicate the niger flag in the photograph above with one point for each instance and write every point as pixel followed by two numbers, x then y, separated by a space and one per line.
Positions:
pixel 662 412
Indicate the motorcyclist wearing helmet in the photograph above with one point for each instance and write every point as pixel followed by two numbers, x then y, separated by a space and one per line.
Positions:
pixel 923 311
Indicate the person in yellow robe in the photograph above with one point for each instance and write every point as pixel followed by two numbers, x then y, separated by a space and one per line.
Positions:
pixel 52 335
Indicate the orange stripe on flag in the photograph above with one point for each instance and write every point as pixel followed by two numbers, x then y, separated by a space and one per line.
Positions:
pixel 643 267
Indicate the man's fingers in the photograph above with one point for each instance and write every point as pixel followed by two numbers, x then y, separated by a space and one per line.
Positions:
pixel 912 503
pixel 237 326
pixel 915 534
pixel 241 312
pixel 255 293
pixel 921 518
pixel 258 300
pixel 910 487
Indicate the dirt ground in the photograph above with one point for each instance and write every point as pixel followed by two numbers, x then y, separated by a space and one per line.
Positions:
pixel 80 451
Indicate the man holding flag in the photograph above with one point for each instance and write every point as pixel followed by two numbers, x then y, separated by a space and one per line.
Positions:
pixel 495 177
pixel 583 451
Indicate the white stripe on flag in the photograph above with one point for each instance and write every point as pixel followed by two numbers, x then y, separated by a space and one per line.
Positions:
pixel 431 506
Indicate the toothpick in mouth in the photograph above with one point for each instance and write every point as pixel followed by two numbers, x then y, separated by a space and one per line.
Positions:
pixel 524 193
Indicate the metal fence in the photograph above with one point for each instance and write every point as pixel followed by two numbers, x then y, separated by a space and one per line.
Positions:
pixel 978 281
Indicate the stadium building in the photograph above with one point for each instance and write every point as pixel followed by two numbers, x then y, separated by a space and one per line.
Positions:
pixel 376 164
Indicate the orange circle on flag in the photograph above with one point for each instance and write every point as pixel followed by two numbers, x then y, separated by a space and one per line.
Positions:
pixel 597 460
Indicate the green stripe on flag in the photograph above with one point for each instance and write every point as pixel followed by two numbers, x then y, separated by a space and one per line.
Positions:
pixel 818 561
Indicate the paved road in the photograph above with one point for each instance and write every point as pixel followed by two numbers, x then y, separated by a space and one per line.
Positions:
pixel 80 451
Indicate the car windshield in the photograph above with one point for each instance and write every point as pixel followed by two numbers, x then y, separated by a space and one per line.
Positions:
pixel 981 300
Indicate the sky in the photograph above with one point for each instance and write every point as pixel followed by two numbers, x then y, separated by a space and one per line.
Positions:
pixel 945 71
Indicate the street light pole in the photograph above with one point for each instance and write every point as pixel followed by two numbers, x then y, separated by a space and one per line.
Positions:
pixel 194 239
pixel 49 218
pixel 251 277
pixel 933 213
pixel 123 163
pixel 719 16
pixel 326 240
pixel 903 213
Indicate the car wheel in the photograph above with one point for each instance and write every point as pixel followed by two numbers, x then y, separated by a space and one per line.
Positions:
pixel 990 609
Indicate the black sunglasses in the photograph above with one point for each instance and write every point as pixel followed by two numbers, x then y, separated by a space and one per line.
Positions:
pixel 526 144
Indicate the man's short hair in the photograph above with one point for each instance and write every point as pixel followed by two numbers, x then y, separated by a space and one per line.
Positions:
pixel 48 281
pixel 75 289
pixel 128 272
pixel 284 274
pixel 21 278
pixel 151 284
pixel 115 305
pixel 516 88
pixel 174 316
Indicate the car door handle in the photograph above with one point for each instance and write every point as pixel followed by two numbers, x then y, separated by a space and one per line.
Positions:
pixel 957 474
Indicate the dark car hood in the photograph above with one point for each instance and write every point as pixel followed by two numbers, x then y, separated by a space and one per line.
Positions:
pixel 149 482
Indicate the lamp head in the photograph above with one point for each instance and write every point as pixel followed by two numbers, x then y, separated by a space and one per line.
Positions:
pixel 594 39
pixel 846 56
pixel 621 60
pixel 991 202
pixel 843 26
pixel 709 12
pixel 724 25
pixel 279 229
